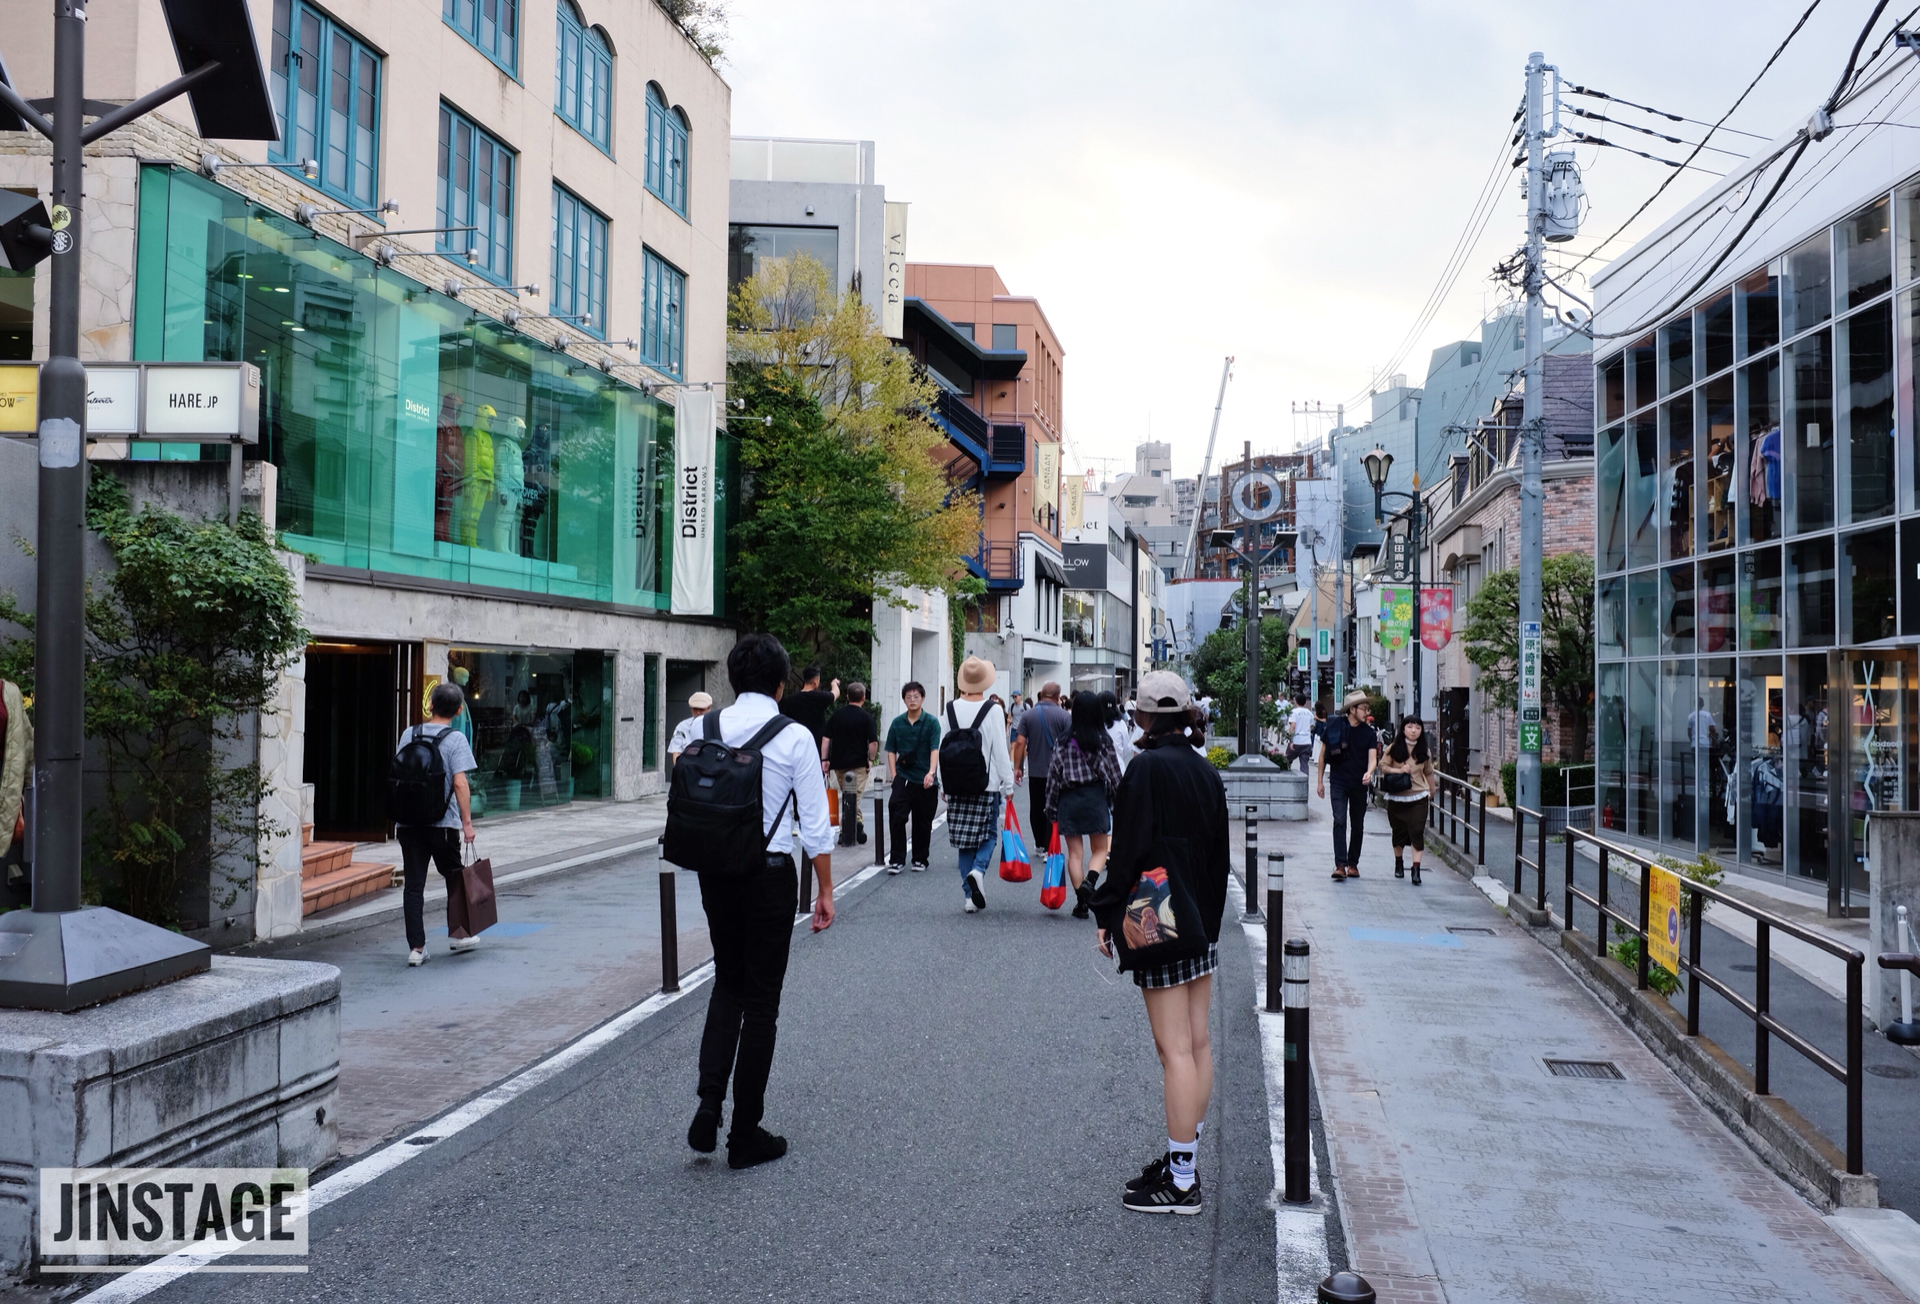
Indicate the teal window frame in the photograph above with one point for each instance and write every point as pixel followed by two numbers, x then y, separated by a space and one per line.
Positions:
pixel 663 315
pixel 579 276
pixel 314 123
pixel 490 26
pixel 666 152
pixel 472 159
pixel 583 78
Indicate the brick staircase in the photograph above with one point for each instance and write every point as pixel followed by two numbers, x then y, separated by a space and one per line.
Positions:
pixel 330 876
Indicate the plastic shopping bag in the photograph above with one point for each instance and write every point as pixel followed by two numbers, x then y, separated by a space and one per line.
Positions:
pixel 1015 865
pixel 1053 880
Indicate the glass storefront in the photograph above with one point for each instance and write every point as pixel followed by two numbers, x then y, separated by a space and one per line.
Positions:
pixel 540 723
pixel 1752 456
pixel 413 435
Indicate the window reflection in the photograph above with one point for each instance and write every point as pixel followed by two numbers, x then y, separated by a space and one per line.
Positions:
pixel 1711 731
pixel 1762 610
pixel 1866 253
pixel 1610 496
pixel 1679 778
pixel 1720 496
pixel 1807 285
pixel 1809 431
pixel 1869 409
pixel 1757 306
pixel 1804 730
pixel 1760 769
pixel 1610 730
pixel 1676 481
pixel 1716 335
pixel 1870 585
pixel 1643 492
pixel 1760 395
pixel 1676 355
pixel 1716 602
pixel 1810 581
pixel 1676 606
pixel 1642 376
pixel 1643 614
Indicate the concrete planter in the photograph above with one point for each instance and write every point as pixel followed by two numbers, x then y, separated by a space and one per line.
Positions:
pixel 1256 781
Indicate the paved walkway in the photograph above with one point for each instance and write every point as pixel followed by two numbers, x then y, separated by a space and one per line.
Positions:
pixel 1466 1171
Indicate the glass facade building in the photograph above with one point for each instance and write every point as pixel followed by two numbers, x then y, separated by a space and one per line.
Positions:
pixel 1758 555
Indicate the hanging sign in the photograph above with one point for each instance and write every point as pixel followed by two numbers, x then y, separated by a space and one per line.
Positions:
pixel 1073 502
pixel 692 489
pixel 1436 617
pixel 1530 720
pixel 1663 918
pixel 893 276
pixel 1396 616
pixel 1300 658
pixel 1323 644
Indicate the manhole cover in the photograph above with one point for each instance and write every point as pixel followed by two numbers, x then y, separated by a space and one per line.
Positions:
pixel 1483 932
pixel 1890 1071
pixel 1603 1070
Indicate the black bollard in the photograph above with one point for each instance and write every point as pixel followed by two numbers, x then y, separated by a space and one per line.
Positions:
pixel 1345 1288
pixel 1276 893
pixel 879 830
pixel 1253 862
pixel 669 935
pixel 1293 1077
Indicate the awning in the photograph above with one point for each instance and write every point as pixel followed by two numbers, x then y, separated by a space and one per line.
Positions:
pixel 1050 569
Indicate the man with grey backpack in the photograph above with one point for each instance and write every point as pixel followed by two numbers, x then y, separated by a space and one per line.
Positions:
pixel 431 804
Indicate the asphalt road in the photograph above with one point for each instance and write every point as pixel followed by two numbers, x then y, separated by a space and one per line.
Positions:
pixel 964 1096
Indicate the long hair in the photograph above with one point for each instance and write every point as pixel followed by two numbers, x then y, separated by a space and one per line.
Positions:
pixel 1400 751
pixel 1089 721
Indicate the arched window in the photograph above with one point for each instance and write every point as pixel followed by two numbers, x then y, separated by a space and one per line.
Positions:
pixel 583 78
pixel 666 151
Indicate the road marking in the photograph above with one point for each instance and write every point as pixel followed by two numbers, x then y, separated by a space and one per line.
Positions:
pixel 147 1278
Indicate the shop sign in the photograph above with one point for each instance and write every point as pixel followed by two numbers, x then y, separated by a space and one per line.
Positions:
pixel 1300 658
pixel 1663 918
pixel 1073 503
pixel 1530 717
pixel 1084 563
pixel 1436 617
pixel 19 398
pixel 893 276
pixel 1396 616
pixel 202 402
pixel 693 438
pixel 1323 644
pixel 113 400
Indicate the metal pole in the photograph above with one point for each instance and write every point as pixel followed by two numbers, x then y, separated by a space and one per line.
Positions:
pixel 669 935
pixel 1293 979
pixel 1253 862
pixel 1646 909
pixel 1483 829
pixel 879 830
pixel 1527 764
pixel 1693 967
pixel 1600 895
pixel 59 643
pixel 1762 1002
pixel 1540 864
pixel 1855 1125
pixel 1206 464
pixel 1519 850
pixel 1566 923
pixel 1276 912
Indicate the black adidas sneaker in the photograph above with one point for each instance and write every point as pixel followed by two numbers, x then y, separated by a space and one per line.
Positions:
pixel 1164 1197
pixel 1154 1172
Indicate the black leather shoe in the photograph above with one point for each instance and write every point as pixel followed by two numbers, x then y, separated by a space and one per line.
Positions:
pixel 703 1134
pixel 756 1147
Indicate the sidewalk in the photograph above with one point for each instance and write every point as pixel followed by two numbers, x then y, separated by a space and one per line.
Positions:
pixel 1466 1169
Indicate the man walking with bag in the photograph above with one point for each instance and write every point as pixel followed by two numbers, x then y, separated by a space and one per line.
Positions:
pixel 852 741
pixel 979 777
pixel 431 805
pixel 728 818
pixel 1352 751
pixel 1041 729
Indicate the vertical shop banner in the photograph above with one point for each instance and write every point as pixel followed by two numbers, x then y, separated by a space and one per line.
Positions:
pixel 693 434
pixel 1396 616
pixel 1530 720
pixel 1046 483
pixel 1436 617
pixel 1073 502
pixel 893 292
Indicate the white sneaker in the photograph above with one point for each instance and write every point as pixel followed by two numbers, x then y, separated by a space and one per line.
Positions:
pixel 919 866
pixel 458 944
pixel 976 897
pixel 417 957
pixel 893 869
pixel 968 905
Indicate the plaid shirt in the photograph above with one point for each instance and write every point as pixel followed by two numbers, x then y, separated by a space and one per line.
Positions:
pixel 972 821
pixel 1073 767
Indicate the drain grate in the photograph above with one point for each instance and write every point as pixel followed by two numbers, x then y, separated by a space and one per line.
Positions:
pixel 1460 929
pixel 1600 1070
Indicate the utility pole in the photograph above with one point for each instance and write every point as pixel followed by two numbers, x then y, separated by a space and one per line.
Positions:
pixel 1250 609
pixel 1339 584
pixel 1527 759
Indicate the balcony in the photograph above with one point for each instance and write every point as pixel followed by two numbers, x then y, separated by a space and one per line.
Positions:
pixel 999 565
pixel 999 450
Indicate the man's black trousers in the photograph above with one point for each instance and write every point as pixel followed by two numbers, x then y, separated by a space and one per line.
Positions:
pixel 916 799
pixel 1037 822
pixel 750 923
pixel 1349 821
pixel 420 843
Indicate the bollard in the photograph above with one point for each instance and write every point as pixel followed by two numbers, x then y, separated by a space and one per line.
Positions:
pixel 1253 863
pixel 1345 1288
pixel 1906 1032
pixel 669 935
pixel 1276 901
pixel 1293 1077
pixel 879 830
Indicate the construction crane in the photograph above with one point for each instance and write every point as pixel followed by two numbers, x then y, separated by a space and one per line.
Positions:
pixel 1206 466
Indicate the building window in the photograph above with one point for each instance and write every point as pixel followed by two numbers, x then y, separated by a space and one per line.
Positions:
pixel 579 263
pixel 326 97
pixel 662 316
pixel 583 78
pixel 476 190
pixel 1007 337
pixel 650 713
pixel 666 152
pixel 750 246
pixel 492 25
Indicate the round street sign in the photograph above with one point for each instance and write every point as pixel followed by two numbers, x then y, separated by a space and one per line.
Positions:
pixel 1270 504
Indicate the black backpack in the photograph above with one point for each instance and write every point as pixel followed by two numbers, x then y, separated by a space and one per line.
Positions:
pixel 418 783
pixel 714 802
pixel 963 760
pixel 1335 734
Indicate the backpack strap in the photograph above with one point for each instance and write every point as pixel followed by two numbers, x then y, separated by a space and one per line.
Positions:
pixel 710 729
pixel 762 736
pixel 953 720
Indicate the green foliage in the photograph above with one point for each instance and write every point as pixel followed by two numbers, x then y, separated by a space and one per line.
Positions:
pixel 1491 640
pixel 1659 977
pixel 186 638
pixel 1219 757
pixel 1220 671
pixel 1553 783
pixel 703 21
pixel 967 592
pixel 1703 869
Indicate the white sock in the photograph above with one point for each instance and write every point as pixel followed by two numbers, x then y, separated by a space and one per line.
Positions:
pixel 1180 1160
pixel 1199 1130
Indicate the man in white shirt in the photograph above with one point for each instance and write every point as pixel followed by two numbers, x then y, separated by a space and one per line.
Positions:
pixel 1300 725
pixel 688 729
pixel 750 911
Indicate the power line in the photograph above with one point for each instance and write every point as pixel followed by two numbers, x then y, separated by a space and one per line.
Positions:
pixel 1648 131
pixel 1586 139
pixel 1659 113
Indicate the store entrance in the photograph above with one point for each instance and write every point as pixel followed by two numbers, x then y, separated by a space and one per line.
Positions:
pixel 1875 723
pixel 359 697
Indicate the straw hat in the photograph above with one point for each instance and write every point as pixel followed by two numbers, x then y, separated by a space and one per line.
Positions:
pixel 1355 698
pixel 701 701
pixel 976 675
pixel 1161 692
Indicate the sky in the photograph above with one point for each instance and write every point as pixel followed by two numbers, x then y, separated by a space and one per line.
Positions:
pixel 1276 181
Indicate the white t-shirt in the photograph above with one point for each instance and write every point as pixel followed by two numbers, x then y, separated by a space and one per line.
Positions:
pixel 1302 721
pixel 694 726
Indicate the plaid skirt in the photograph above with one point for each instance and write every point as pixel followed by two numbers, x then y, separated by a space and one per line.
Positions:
pixel 1172 973
pixel 972 821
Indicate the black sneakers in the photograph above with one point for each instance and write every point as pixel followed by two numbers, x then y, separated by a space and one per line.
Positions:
pixel 1163 1196
pixel 1153 1173
pixel 703 1134
pixel 755 1147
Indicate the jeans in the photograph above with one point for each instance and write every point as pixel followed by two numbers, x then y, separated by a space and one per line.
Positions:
pixel 1349 807
pixel 750 923
pixel 1037 822
pixel 980 858
pixel 420 843
pixel 911 797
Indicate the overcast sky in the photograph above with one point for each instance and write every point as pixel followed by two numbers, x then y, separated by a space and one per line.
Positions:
pixel 1282 182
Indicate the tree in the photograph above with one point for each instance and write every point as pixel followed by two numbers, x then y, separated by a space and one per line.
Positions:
pixel 703 21
pixel 845 497
pixel 1492 642
pixel 1220 670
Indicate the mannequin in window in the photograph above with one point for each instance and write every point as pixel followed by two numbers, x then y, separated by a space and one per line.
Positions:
pixel 476 490
pixel 509 481
pixel 450 459
pixel 538 475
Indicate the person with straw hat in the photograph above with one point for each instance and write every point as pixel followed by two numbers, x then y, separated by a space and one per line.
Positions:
pixel 1351 749
pixel 973 817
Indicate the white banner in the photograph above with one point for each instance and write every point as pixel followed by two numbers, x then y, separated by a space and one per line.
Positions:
pixel 693 431
pixel 893 291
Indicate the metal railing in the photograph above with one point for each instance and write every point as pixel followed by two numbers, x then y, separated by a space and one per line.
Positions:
pixel 1451 814
pixel 1758 1010
pixel 1539 862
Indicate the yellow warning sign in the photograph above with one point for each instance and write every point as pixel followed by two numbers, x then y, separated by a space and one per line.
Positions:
pixel 19 398
pixel 1663 918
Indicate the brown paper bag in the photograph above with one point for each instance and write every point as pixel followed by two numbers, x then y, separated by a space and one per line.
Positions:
pixel 471 907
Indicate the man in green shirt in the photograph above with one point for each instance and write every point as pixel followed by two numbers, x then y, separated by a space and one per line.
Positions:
pixel 913 763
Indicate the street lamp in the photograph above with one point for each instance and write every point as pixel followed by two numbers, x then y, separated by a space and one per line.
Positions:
pixel 1378 465
pixel 1250 609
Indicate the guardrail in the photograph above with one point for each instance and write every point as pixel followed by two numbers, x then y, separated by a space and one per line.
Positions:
pixel 1539 862
pixel 1444 815
pixel 1758 1010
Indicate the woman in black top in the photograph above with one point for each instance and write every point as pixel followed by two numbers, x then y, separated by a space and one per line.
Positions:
pixel 1170 847
pixel 1081 784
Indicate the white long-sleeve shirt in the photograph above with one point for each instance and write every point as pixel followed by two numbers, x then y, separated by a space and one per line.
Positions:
pixel 993 738
pixel 790 764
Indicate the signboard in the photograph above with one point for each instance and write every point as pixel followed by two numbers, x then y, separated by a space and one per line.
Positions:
pixel 1530 686
pixel 180 402
pixel 1663 918
pixel 693 435
pixel 1396 616
pixel 19 398
pixel 1085 564
pixel 893 274
pixel 1046 480
pixel 1436 617
pixel 1073 503
pixel 1323 644
pixel 1300 658
pixel 113 401
pixel 1256 496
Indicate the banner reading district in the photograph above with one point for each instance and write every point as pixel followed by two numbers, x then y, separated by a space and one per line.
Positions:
pixel 692 516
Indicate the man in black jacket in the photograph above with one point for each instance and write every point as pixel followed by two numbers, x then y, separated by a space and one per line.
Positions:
pixel 1351 751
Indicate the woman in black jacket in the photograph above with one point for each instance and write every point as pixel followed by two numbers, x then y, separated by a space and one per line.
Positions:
pixel 1161 903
